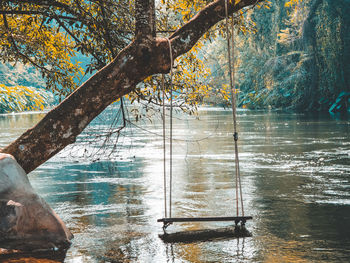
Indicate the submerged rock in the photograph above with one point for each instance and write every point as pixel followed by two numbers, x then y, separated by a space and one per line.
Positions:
pixel 27 222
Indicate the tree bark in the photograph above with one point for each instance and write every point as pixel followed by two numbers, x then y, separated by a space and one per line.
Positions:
pixel 145 18
pixel 143 57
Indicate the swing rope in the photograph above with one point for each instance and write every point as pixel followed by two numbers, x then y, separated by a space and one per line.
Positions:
pixel 164 150
pixel 239 195
pixel 233 104
pixel 171 127
pixel 171 136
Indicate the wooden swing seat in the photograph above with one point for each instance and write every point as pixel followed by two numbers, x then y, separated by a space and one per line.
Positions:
pixel 236 219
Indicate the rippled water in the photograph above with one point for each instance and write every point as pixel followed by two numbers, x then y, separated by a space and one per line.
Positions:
pixel 295 176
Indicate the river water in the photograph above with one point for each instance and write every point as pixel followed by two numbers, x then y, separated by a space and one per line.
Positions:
pixel 295 179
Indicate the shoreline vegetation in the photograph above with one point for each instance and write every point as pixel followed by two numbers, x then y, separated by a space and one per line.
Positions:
pixel 23 98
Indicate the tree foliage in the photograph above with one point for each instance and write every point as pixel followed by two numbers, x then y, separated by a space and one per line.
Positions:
pixel 275 66
pixel 297 58
pixel 20 98
pixel 51 35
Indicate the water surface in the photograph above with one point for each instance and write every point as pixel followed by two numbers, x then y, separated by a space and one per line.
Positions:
pixel 295 178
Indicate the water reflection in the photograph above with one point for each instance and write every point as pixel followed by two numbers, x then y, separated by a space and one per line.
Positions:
pixel 13 125
pixel 295 181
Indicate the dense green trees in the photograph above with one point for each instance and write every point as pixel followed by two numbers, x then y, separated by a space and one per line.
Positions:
pixel 298 57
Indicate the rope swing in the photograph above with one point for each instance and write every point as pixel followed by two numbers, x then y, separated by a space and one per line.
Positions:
pixel 231 65
pixel 171 136
pixel 239 218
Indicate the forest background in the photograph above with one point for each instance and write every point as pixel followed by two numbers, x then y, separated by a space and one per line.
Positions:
pixel 289 55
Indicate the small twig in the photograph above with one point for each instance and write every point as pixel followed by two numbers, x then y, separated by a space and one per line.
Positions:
pixel 76 39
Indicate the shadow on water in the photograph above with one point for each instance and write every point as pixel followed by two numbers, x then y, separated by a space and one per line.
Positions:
pixel 204 235
pixel 8 256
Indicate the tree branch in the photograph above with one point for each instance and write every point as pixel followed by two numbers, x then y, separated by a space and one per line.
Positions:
pixel 140 59
pixel 187 36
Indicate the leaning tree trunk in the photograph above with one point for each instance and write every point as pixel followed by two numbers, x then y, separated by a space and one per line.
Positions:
pixel 145 56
